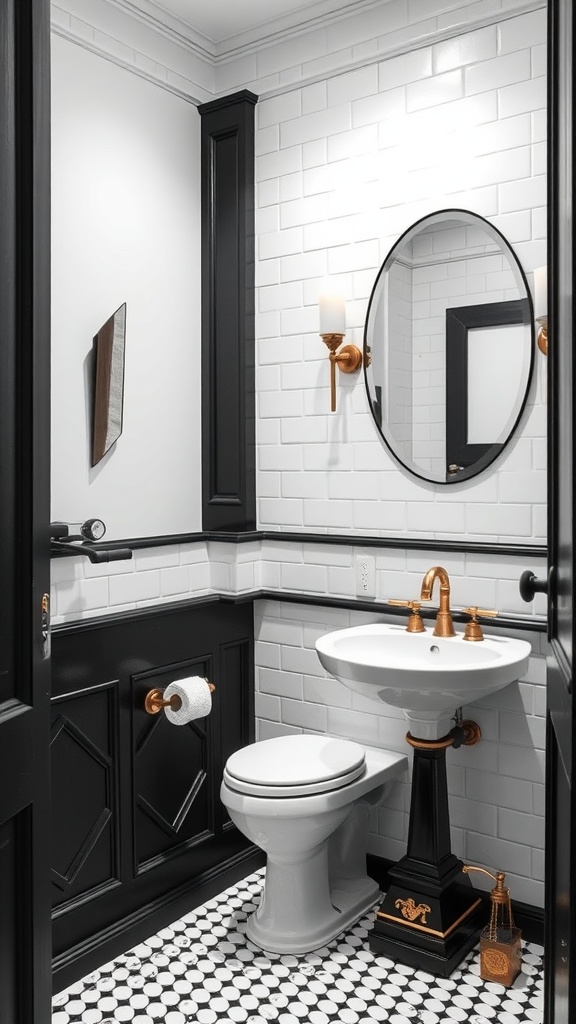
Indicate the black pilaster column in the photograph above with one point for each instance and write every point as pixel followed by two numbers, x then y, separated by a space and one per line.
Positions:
pixel 228 391
pixel 429 917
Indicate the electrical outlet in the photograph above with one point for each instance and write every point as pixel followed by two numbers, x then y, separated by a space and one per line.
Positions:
pixel 365 576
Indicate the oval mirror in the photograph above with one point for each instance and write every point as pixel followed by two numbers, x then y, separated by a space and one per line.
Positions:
pixel 449 346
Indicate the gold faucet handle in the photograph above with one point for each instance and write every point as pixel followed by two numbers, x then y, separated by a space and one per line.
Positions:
pixel 415 623
pixel 483 613
pixel 473 628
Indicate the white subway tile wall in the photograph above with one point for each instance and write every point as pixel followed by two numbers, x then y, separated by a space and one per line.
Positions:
pixel 180 571
pixel 362 128
pixel 451 124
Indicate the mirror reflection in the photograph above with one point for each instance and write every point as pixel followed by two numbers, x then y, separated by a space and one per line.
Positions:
pixel 449 344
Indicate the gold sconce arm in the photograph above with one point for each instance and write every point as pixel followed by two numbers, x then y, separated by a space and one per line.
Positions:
pixel 542 336
pixel 349 359
pixel 541 307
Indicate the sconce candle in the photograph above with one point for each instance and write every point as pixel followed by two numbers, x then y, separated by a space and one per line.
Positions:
pixel 332 314
pixel 540 292
pixel 332 330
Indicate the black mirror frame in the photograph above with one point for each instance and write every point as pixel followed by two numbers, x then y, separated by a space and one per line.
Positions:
pixel 486 458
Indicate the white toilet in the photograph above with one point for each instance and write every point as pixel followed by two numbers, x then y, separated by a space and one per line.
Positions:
pixel 305 800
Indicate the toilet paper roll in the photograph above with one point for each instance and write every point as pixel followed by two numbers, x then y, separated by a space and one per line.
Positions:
pixel 196 700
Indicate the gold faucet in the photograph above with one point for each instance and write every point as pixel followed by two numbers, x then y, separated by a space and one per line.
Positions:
pixel 444 625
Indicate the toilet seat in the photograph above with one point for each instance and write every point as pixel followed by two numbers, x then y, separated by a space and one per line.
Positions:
pixel 291 766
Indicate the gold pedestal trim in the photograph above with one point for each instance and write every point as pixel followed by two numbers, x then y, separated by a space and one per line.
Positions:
pixel 413 741
pixel 429 931
pixel 472 735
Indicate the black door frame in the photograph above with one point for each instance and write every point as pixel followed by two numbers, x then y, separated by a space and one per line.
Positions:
pixel 24 424
pixel 560 930
pixel 25 932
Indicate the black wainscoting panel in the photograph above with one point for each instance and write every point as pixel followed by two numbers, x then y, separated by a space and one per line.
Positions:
pixel 228 393
pixel 85 812
pixel 139 829
pixel 173 809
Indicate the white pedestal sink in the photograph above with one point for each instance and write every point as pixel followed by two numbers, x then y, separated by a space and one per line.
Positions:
pixel 429 677
pixel 430 916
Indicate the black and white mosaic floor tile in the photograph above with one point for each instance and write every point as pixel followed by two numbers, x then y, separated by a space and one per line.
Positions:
pixel 202 969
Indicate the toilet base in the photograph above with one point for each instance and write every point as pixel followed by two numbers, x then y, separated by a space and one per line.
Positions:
pixel 348 905
pixel 316 883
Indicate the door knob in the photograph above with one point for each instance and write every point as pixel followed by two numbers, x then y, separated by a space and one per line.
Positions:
pixel 531 585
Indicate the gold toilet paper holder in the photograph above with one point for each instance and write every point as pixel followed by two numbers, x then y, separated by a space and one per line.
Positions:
pixel 154 700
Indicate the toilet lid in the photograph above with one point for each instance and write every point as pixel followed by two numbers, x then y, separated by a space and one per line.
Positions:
pixel 294 766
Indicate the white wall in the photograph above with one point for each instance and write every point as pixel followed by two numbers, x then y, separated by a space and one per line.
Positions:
pixel 125 228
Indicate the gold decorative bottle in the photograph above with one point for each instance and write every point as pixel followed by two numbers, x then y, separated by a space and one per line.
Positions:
pixel 500 940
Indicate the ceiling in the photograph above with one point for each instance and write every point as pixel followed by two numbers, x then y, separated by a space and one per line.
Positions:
pixel 220 20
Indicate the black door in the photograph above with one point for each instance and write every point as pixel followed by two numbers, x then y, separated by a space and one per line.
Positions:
pixel 24 511
pixel 560 1005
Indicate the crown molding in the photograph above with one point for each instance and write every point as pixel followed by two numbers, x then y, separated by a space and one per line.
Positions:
pixel 210 55
pixel 306 19
pixel 156 17
pixel 311 18
pixel 383 49
pixel 93 36
pixel 195 95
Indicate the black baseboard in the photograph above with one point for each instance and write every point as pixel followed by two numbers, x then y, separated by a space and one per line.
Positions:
pixel 87 956
pixel 528 918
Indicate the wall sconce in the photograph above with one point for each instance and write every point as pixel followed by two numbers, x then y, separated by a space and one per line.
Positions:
pixel 541 307
pixel 332 331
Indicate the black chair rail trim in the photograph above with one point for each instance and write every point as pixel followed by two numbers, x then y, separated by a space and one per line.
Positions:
pixel 344 539
pixel 524 623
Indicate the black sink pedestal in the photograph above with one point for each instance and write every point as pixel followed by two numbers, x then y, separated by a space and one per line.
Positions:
pixel 430 917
